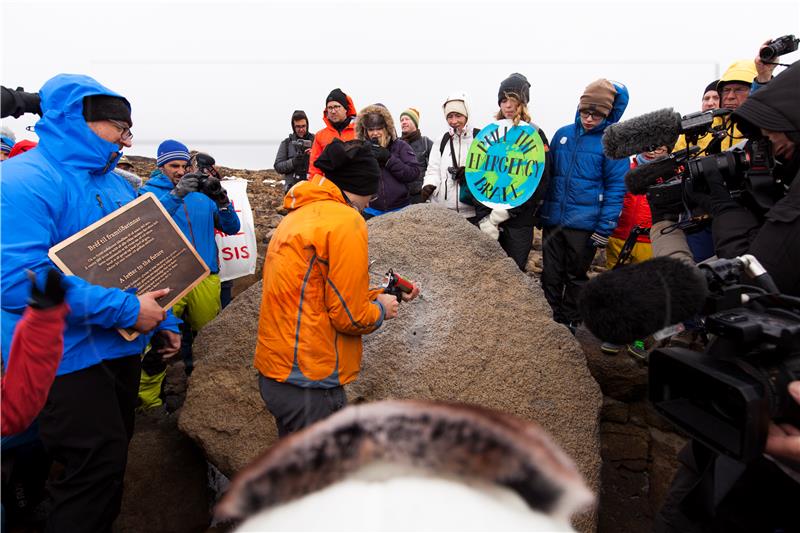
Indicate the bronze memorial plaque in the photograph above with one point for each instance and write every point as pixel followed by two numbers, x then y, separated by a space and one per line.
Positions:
pixel 137 248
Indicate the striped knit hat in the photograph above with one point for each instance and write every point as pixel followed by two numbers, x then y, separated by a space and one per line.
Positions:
pixel 413 114
pixel 6 144
pixel 171 150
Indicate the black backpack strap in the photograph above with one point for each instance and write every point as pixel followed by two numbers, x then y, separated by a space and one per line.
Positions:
pixel 443 143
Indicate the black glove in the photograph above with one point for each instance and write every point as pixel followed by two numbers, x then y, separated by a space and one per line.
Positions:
pixel 153 362
pixel 664 204
pixel 720 200
pixel 426 192
pixel 298 161
pixel 381 154
pixel 53 294
pixel 214 190
pixel 188 183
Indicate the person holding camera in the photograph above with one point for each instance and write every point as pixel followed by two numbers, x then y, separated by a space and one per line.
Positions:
pixel 202 207
pixel 316 301
pixel 294 151
pixel 584 198
pixel 710 492
pixel 339 117
pixel 49 194
pixel 398 162
pixel 445 181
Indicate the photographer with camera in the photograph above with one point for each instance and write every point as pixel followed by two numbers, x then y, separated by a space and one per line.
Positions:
pixel 709 490
pixel 202 207
pixel 398 162
pixel 445 177
pixel 294 152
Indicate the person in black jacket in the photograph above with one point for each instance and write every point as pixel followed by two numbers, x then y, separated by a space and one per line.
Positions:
pixel 409 126
pixel 292 157
pixel 710 492
pixel 513 228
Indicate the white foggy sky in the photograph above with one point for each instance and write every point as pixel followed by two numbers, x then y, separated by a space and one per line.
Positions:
pixel 226 76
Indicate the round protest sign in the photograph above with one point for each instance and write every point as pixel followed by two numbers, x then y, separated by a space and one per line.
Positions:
pixel 505 164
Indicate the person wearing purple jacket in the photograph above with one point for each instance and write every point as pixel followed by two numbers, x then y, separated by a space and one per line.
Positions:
pixel 398 162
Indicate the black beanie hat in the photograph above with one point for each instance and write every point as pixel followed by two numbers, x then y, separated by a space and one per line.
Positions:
pixel 711 87
pixel 516 83
pixel 337 95
pixel 106 107
pixel 351 166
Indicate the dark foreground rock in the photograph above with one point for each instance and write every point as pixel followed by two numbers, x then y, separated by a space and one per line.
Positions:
pixel 481 333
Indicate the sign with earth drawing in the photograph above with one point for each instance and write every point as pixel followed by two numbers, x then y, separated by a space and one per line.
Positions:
pixel 505 164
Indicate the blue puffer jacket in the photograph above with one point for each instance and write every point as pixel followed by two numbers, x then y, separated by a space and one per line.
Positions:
pixel 197 216
pixel 49 194
pixel 586 188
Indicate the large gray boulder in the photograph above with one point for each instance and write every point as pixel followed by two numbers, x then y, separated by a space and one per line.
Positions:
pixel 481 333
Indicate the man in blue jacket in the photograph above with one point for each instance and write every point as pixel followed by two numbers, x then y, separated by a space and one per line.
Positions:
pixel 49 194
pixel 583 200
pixel 204 207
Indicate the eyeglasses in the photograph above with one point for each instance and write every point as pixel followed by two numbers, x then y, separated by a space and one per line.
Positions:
pixel 332 108
pixel 373 197
pixel 738 91
pixel 659 150
pixel 125 132
pixel 592 114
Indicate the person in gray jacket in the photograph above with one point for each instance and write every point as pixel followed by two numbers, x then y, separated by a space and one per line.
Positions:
pixel 292 157
pixel 409 126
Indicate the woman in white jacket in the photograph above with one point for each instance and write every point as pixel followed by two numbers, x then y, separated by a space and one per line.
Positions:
pixel 445 178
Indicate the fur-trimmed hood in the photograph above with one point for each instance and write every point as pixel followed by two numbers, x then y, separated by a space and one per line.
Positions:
pixel 361 128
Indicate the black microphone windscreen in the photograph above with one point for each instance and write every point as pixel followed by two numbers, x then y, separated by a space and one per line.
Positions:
pixel 634 301
pixel 658 128
pixel 638 179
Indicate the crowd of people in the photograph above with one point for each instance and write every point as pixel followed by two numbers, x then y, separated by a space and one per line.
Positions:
pixel 316 301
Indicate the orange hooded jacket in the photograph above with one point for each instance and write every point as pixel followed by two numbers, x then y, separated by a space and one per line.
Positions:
pixel 324 136
pixel 316 302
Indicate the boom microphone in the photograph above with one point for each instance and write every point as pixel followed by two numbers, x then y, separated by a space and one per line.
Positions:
pixel 639 179
pixel 634 301
pixel 657 128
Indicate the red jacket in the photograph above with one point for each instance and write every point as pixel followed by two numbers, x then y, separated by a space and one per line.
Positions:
pixel 35 353
pixel 327 134
pixel 635 211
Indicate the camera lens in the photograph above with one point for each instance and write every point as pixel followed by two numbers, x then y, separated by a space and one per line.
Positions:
pixel 767 53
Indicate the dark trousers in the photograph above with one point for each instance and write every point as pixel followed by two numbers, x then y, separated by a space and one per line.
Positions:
pixel 517 243
pixel 566 256
pixel 226 293
pixel 297 407
pixel 86 425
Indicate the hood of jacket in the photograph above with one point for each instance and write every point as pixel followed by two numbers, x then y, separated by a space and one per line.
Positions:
pixel 159 180
pixel 64 135
pixel 620 104
pixel 361 128
pixel 459 95
pixel 317 189
pixel 773 107
pixel 351 112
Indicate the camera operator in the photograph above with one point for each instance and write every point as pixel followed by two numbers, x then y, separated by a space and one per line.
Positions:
pixel 711 492
pixel 16 103
pixel 294 151
pixel 202 207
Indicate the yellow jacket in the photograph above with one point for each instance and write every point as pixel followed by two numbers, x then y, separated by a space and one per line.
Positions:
pixel 734 136
pixel 316 302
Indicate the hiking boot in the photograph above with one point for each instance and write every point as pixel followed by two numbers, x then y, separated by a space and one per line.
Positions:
pixel 638 351
pixel 609 348
pixel 573 326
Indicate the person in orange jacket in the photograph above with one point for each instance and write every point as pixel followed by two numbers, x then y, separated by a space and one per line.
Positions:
pixel 316 301
pixel 339 117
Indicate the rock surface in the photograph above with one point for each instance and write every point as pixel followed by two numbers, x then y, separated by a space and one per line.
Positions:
pixel 481 333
